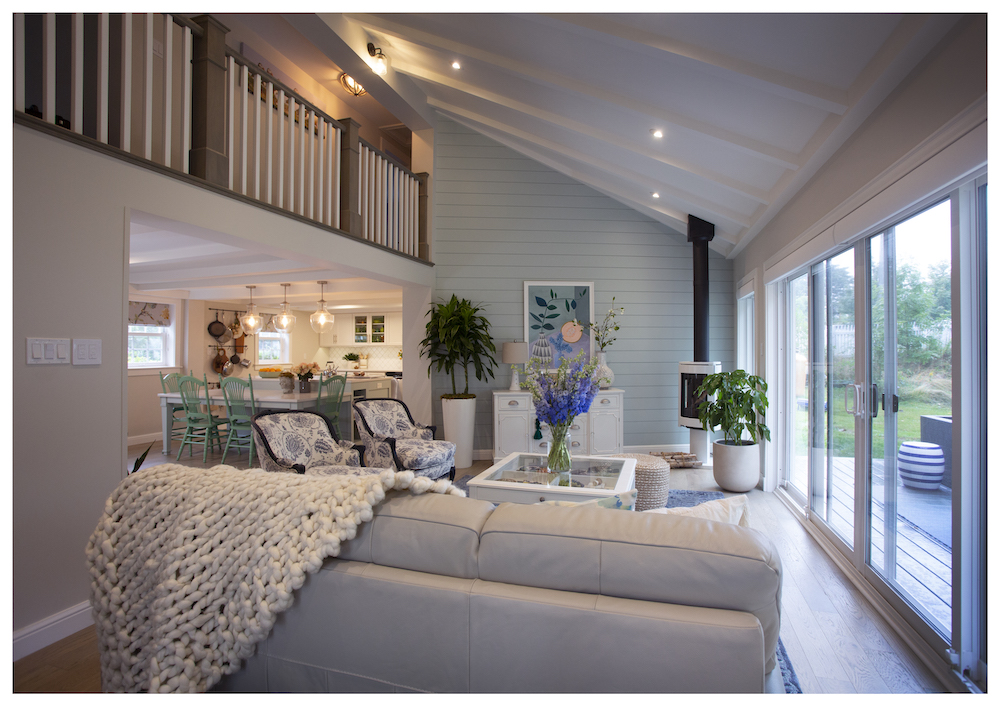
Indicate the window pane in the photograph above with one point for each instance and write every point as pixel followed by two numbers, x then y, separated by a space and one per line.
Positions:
pixel 799 350
pixel 145 349
pixel 268 349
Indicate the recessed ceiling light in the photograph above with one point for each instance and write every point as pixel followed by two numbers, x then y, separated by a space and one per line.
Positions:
pixel 456 65
pixel 656 133
pixel 656 195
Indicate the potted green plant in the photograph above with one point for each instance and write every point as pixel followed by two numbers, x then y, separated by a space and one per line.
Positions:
pixel 458 336
pixel 735 402
pixel 352 358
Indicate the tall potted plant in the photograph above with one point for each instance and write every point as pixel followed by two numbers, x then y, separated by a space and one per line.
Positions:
pixel 458 336
pixel 735 402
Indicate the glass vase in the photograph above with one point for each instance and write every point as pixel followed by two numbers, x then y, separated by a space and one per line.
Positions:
pixel 559 460
pixel 305 386
pixel 603 372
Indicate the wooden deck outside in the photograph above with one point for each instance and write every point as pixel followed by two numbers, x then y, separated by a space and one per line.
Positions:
pixel 923 537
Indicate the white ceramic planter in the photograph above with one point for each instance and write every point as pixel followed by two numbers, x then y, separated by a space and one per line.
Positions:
pixel 459 425
pixel 736 468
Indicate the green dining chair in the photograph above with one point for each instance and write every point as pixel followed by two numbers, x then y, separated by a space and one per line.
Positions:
pixel 331 393
pixel 202 427
pixel 177 425
pixel 240 407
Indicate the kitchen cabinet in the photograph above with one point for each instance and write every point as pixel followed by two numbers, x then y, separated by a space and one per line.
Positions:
pixel 596 432
pixel 366 330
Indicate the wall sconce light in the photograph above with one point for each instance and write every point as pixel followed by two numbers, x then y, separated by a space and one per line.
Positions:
pixel 381 65
pixel 321 320
pixel 352 86
pixel 251 321
pixel 285 320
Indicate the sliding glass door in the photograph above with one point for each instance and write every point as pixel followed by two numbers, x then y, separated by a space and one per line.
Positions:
pixel 874 448
pixel 910 473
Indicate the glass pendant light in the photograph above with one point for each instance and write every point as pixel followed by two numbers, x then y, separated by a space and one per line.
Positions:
pixel 321 320
pixel 251 321
pixel 284 320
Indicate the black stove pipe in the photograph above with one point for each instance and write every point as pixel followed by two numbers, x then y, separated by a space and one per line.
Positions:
pixel 699 234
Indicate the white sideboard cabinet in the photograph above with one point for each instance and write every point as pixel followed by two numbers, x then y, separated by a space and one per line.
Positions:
pixel 598 431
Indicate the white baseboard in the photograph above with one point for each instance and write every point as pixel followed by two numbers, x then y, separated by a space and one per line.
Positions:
pixel 51 629
pixel 145 439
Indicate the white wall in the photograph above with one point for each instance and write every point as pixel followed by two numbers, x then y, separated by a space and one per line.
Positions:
pixel 70 221
pixel 501 219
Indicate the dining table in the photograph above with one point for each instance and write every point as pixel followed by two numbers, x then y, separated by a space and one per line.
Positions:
pixel 265 400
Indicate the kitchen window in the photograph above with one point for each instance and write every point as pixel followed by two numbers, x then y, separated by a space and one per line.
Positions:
pixel 151 335
pixel 273 347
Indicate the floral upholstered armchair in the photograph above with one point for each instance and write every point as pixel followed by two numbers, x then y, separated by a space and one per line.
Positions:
pixel 392 439
pixel 303 442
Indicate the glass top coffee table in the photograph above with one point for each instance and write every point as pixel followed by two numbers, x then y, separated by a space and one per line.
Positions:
pixel 523 478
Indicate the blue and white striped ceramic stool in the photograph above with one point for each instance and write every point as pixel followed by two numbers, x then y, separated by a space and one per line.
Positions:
pixel 921 465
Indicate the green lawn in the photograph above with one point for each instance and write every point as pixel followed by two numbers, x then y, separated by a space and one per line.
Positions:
pixel 842 432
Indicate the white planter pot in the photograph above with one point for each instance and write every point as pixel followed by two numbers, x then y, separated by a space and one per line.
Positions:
pixel 459 425
pixel 736 467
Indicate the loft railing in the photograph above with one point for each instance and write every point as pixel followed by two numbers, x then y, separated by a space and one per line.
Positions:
pixel 389 201
pixel 167 89
pixel 133 108
pixel 284 151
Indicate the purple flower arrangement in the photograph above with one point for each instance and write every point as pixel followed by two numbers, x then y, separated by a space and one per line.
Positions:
pixel 559 396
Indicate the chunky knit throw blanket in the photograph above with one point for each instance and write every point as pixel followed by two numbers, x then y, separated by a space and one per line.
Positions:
pixel 190 567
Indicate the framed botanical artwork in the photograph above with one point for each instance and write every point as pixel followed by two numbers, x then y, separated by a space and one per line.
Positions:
pixel 556 314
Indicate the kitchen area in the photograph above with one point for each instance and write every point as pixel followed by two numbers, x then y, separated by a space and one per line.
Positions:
pixel 208 342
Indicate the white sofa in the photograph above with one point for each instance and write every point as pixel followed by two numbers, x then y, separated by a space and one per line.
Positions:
pixel 449 594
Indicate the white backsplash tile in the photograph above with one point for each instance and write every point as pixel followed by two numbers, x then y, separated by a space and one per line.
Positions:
pixel 380 358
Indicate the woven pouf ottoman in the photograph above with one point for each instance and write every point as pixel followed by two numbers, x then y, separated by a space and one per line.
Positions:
pixel 652 480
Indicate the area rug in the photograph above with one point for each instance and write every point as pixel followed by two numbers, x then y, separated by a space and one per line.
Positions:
pixel 788 676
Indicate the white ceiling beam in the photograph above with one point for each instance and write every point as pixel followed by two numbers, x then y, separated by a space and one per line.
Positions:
pixel 607 136
pixel 754 76
pixel 539 75
pixel 690 201
pixel 345 43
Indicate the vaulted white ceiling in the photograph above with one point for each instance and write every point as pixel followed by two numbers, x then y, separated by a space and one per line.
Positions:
pixel 750 107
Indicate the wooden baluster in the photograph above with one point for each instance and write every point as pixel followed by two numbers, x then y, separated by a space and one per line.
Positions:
pixel 269 130
pixel 147 87
pixel 187 48
pixel 19 61
pixel 125 136
pixel 76 80
pixel 168 89
pixel 244 79
pixel 49 67
pixel 281 148
pixel 256 135
pixel 103 62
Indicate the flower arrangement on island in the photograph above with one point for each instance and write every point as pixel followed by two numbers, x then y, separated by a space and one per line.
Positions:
pixel 559 396
pixel 603 331
pixel 305 371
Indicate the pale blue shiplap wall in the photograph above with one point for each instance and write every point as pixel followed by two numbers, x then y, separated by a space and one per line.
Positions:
pixel 501 218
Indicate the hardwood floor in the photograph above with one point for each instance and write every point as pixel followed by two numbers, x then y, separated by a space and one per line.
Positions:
pixel 835 640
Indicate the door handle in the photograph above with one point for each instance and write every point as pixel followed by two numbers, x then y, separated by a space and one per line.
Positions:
pixel 895 403
pixel 875 400
pixel 851 401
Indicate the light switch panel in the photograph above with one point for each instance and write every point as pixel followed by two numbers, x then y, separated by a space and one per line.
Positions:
pixel 86 352
pixel 47 351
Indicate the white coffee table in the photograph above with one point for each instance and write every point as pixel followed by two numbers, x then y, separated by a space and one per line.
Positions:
pixel 522 478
